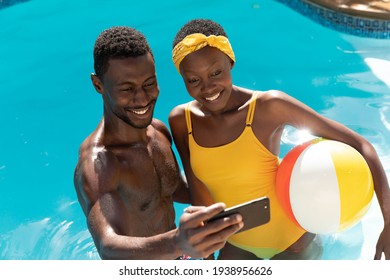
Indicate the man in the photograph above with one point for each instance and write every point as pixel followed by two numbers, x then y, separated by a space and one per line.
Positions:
pixel 127 176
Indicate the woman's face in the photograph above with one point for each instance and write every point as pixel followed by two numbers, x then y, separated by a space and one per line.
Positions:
pixel 207 77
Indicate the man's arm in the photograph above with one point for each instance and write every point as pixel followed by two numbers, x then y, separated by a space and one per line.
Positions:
pixel 104 211
pixel 193 237
pixel 112 245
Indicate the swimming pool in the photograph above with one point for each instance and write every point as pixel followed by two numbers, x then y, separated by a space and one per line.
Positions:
pixel 48 105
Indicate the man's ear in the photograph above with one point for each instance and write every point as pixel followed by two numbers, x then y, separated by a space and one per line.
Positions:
pixel 97 83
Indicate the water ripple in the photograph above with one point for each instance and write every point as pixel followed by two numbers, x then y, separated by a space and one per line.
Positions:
pixel 47 239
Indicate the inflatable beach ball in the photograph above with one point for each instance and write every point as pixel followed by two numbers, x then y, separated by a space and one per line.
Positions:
pixel 324 186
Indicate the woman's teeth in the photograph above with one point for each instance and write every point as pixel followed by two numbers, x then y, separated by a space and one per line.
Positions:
pixel 213 97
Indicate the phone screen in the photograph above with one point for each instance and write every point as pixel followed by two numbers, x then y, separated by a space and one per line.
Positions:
pixel 254 213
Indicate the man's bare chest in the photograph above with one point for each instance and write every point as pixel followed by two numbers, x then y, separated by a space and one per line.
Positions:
pixel 148 172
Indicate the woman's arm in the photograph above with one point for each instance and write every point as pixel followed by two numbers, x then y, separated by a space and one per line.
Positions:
pixel 292 112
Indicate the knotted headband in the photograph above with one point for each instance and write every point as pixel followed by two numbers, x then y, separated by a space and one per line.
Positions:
pixel 195 42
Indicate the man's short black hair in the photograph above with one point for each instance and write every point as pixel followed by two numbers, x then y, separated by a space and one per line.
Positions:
pixel 204 26
pixel 118 42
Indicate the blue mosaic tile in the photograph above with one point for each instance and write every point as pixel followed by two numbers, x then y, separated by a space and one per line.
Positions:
pixel 358 26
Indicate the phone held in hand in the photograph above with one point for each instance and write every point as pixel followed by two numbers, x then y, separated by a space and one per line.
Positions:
pixel 254 213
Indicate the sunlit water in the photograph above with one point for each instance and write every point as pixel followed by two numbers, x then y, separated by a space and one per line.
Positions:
pixel 48 105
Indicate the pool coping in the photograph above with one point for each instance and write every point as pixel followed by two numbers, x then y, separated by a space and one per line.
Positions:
pixel 342 20
pixel 359 8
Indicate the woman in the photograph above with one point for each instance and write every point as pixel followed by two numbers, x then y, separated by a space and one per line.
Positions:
pixel 228 139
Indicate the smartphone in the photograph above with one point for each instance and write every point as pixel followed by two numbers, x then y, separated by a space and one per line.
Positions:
pixel 254 213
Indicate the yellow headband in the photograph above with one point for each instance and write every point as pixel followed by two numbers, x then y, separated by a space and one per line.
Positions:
pixel 196 41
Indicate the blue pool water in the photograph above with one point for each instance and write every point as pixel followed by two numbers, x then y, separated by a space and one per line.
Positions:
pixel 48 105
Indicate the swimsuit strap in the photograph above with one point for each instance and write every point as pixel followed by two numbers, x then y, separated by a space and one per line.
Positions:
pixel 249 117
pixel 188 117
pixel 251 110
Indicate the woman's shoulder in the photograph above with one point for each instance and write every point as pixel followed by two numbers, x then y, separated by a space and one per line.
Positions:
pixel 273 98
pixel 178 112
pixel 273 102
pixel 271 94
pixel 261 95
pixel 177 119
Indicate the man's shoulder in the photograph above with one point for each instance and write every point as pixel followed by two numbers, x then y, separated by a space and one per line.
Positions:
pixel 96 158
pixel 160 126
pixel 95 173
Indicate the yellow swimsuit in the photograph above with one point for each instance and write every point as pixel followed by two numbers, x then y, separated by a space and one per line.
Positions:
pixel 241 171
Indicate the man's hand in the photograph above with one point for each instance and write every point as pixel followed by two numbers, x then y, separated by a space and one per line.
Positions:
pixel 198 238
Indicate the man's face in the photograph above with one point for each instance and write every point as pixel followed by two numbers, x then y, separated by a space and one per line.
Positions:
pixel 130 89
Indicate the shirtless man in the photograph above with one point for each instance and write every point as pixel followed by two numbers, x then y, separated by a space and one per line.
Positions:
pixel 127 176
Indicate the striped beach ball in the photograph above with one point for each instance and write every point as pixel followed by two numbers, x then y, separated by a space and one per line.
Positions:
pixel 325 186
